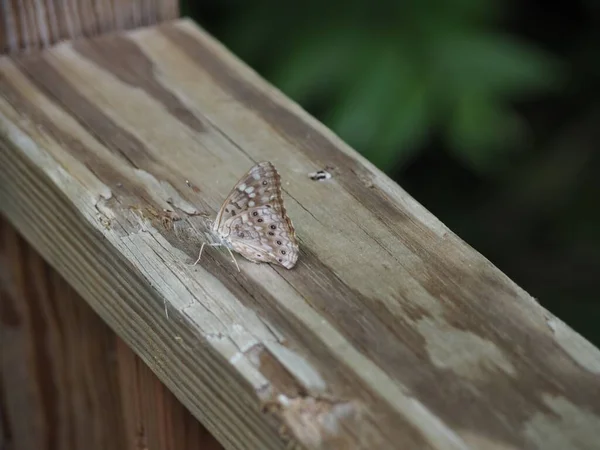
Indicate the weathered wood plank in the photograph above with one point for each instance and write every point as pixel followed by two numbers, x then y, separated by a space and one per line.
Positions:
pixel 390 332
pixel 66 381
pixel 27 25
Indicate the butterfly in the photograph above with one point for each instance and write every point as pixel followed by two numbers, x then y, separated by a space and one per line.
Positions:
pixel 253 222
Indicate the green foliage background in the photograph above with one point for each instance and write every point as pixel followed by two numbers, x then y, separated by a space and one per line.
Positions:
pixel 486 111
pixel 387 77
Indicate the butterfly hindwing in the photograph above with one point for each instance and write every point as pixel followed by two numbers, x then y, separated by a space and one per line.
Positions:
pixel 261 234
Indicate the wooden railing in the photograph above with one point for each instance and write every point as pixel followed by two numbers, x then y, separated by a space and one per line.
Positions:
pixel 390 332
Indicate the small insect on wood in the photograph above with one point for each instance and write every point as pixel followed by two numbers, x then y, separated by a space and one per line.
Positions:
pixel 320 175
pixel 253 222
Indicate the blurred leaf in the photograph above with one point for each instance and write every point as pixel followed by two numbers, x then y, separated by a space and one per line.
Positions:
pixel 491 64
pixel 469 10
pixel 384 115
pixel 383 77
pixel 319 64
pixel 482 133
pixel 405 128
pixel 358 115
pixel 247 37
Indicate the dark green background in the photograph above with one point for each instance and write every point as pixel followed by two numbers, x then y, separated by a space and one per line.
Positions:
pixel 486 111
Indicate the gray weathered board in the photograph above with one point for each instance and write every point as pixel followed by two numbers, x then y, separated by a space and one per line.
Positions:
pixel 390 332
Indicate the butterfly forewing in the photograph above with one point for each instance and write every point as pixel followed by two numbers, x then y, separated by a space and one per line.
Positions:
pixel 260 186
pixel 253 220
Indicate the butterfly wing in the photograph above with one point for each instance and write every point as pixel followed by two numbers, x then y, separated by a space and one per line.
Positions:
pixel 262 234
pixel 260 186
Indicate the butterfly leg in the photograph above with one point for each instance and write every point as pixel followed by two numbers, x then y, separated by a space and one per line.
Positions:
pixel 234 260
pixel 200 255
pixel 215 244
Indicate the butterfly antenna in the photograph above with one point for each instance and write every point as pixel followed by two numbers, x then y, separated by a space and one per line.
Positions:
pixel 234 260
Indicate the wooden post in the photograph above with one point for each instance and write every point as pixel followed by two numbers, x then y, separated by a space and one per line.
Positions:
pixel 67 381
pixel 390 332
pixel 28 25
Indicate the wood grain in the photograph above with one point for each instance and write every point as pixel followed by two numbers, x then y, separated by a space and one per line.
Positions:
pixel 66 381
pixel 27 25
pixel 391 332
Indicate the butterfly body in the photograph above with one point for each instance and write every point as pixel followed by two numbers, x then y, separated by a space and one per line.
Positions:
pixel 253 221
